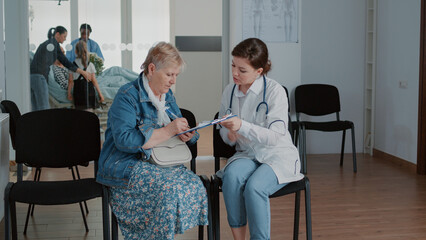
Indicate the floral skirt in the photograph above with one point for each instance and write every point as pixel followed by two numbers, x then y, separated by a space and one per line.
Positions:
pixel 159 202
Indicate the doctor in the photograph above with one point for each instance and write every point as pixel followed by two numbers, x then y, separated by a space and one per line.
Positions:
pixel 266 159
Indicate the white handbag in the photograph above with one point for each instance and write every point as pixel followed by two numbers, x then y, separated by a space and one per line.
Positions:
pixel 170 153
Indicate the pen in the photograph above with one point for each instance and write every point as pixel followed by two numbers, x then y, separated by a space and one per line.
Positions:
pixel 171 113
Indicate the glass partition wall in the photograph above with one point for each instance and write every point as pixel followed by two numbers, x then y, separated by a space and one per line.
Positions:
pixel 123 29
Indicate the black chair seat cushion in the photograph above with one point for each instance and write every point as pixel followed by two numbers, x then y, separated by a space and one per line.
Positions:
pixel 55 193
pixel 289 188
pixel 328 126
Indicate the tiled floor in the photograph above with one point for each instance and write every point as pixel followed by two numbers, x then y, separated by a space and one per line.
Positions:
pixel 381 201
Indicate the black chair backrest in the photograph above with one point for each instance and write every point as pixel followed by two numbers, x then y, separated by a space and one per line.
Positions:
pixel 317 99
pixel 288 98
pixel 220 148
pixel 192 123
pixel 57 138
pixel 14 114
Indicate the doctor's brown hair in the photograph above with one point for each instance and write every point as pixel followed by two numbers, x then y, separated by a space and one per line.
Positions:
pixel 255 51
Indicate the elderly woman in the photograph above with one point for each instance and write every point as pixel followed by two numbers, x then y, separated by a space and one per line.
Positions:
pixel 150 202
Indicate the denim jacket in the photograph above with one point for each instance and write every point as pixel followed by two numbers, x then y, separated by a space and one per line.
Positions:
pixel 132 119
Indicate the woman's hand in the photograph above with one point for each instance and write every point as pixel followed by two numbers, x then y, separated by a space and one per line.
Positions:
pixel 87 76
pixel 69 96
pixel 232 124
pixel 232 136
pixel 186 136
pixel 176 126
pixel 101 98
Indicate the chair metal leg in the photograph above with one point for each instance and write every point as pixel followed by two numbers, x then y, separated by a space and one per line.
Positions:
pixel 353 148
pixel 27 218
pixel 105 214
pixel 200 232
pixel 114 226
pixel 342 152
pixel 206 184
pixel 296 135
pixel 78 176
pixel 193 167
pixel 216 164
pixel 84 217
pixel 308 209
pixel 296 216
pixel 38 180
pixel 30 210
pixel 215 207
pixel 303 140
pixel 7 211
pixel 12 206
pixel 81 205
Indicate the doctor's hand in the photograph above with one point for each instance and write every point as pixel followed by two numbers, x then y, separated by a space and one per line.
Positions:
pixel 232 124
pixel 176 126
pixel 233 136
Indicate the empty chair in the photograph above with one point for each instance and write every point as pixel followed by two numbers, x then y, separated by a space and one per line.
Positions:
pixel 55 138
pixel 14 114
pixel 292 125
pixel 319 100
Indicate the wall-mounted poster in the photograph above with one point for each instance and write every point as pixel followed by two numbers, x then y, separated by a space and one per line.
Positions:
pixel 271 20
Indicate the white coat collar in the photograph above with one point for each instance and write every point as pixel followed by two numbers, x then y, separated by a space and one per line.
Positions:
pixel 256 87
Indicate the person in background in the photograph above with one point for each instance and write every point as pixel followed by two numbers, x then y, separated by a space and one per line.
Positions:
pixel 81 90
pixel 60 73
pixel 46 54
pixel 92 46
pixel 266 159
pixel 150 202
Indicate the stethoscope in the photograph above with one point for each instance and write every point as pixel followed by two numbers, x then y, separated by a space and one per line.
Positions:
pixel 263 102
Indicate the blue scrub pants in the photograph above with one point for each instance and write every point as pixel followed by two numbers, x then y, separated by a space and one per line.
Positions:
pixel 39 92
pixel 246 187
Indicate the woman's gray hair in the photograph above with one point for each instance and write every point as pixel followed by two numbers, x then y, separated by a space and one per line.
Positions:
pixel 161 55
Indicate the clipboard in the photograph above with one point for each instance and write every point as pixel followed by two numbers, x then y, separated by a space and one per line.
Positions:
pixel 208 123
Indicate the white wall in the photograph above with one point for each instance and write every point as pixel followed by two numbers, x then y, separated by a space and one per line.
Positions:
pixel 333 42
pixel 285 57
pixel 17 57
pixel 398 42
pixel 2 63
pixel 4 158
pixel 199 87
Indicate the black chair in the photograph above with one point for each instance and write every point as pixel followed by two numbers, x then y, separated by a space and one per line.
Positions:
pixel 193 148
pixel 222 150
pixel 10 107
pixel 293 125
pixel 320 100
pixel 55 138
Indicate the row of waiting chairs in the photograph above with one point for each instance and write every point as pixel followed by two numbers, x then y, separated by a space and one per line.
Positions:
pixel 65 122
pixel 55 138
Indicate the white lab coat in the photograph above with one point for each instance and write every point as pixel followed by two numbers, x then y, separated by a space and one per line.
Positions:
pixel 265 139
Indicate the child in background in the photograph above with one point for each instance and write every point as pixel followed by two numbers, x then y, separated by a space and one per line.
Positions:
pixel 81 90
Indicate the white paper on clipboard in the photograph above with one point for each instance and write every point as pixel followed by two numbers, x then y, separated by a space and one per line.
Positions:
pixel 208 123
